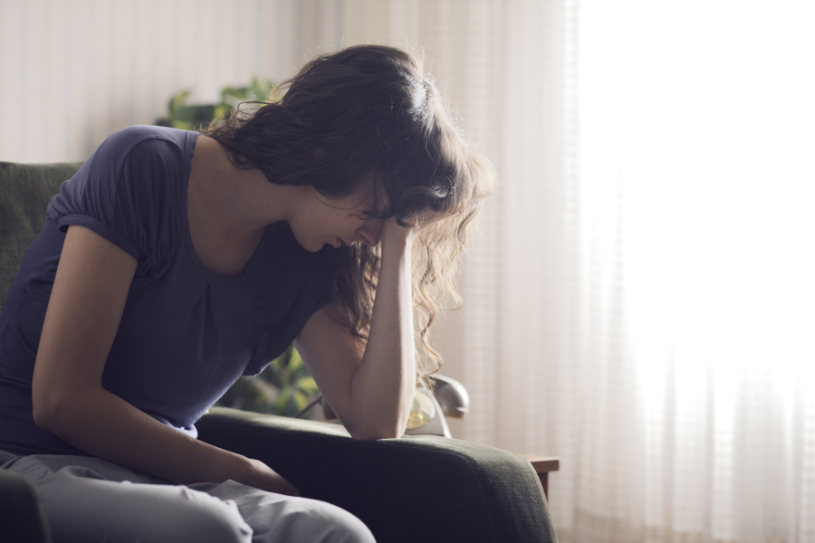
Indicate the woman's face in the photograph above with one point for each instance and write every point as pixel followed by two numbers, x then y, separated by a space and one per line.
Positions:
pixel 336 221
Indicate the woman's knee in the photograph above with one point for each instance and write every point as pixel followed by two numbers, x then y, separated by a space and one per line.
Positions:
pixel 276 517
pixel 196 516
pixel 325 523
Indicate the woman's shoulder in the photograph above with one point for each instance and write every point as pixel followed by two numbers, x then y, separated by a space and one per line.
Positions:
pixel 134 160
pixel 131 190
pixel 120 145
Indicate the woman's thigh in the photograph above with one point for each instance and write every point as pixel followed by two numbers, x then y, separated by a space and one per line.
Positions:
pixel 276 517
pixel 89 499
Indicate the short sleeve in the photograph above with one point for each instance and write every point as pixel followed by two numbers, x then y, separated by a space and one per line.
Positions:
pixel 128 192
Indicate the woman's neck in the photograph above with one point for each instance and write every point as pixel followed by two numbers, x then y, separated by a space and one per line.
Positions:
pixel 228 208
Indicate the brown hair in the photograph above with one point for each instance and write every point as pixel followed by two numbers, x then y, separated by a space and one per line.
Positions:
pixel 362 112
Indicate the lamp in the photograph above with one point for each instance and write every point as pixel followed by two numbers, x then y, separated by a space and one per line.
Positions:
pixel 427 415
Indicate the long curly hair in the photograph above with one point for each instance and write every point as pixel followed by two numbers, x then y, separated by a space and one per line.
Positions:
pixel 369 112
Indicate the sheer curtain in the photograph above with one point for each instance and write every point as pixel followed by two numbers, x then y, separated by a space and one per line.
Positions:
pixel 640 299
pixel 696 181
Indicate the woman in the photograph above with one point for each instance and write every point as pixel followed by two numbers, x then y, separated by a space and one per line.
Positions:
pixel 174 262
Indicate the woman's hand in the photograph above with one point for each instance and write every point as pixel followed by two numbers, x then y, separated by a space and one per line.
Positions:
pixel 392 231
pixel 395 234
pixel 259 475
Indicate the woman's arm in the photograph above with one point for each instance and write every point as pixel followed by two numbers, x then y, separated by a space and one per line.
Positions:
pixel 83 315
pixel 370 386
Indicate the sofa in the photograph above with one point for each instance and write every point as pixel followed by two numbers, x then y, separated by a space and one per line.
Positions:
pixel 418 488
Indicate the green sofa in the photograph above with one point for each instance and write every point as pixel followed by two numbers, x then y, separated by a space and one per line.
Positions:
pixel 414 489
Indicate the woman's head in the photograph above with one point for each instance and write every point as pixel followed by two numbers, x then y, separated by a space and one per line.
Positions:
pixel 362 112
pixel 367 117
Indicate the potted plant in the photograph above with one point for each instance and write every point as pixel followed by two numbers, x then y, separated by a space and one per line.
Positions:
pixel 284 387
pixel 181 114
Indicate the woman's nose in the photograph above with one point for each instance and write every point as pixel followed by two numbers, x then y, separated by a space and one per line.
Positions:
pixel 370 231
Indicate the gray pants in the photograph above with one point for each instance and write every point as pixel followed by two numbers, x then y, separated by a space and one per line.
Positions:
pixel 88 499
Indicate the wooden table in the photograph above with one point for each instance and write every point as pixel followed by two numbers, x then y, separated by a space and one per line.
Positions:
pixel 543 465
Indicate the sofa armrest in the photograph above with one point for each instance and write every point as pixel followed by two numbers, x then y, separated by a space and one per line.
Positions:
pixel 416 488
pixel 21 514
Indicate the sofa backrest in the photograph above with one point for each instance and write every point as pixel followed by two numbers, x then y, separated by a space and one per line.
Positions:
pixel 25 190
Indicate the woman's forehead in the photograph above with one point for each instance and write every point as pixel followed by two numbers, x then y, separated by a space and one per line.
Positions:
pixel 372 193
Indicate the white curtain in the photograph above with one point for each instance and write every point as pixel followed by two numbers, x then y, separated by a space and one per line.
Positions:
pixel 696 145
pixel 641 300
pixel 640 297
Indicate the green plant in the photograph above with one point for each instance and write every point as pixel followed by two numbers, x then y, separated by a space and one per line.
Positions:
pixel 284 387
pixel 181 114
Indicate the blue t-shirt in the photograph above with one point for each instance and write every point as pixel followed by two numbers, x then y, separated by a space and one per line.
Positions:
pixel 187 333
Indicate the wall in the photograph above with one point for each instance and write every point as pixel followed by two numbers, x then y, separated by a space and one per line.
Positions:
pixel 74 71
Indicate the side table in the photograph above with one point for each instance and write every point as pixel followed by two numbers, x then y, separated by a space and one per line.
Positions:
pixel 543 465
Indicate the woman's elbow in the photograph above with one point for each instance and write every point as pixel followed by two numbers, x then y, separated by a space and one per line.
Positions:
pixel 373 432
pixel 52 410
pixel 46 411
pixel 372 435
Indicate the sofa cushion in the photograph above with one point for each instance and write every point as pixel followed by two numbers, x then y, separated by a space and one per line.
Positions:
pixel 26 190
